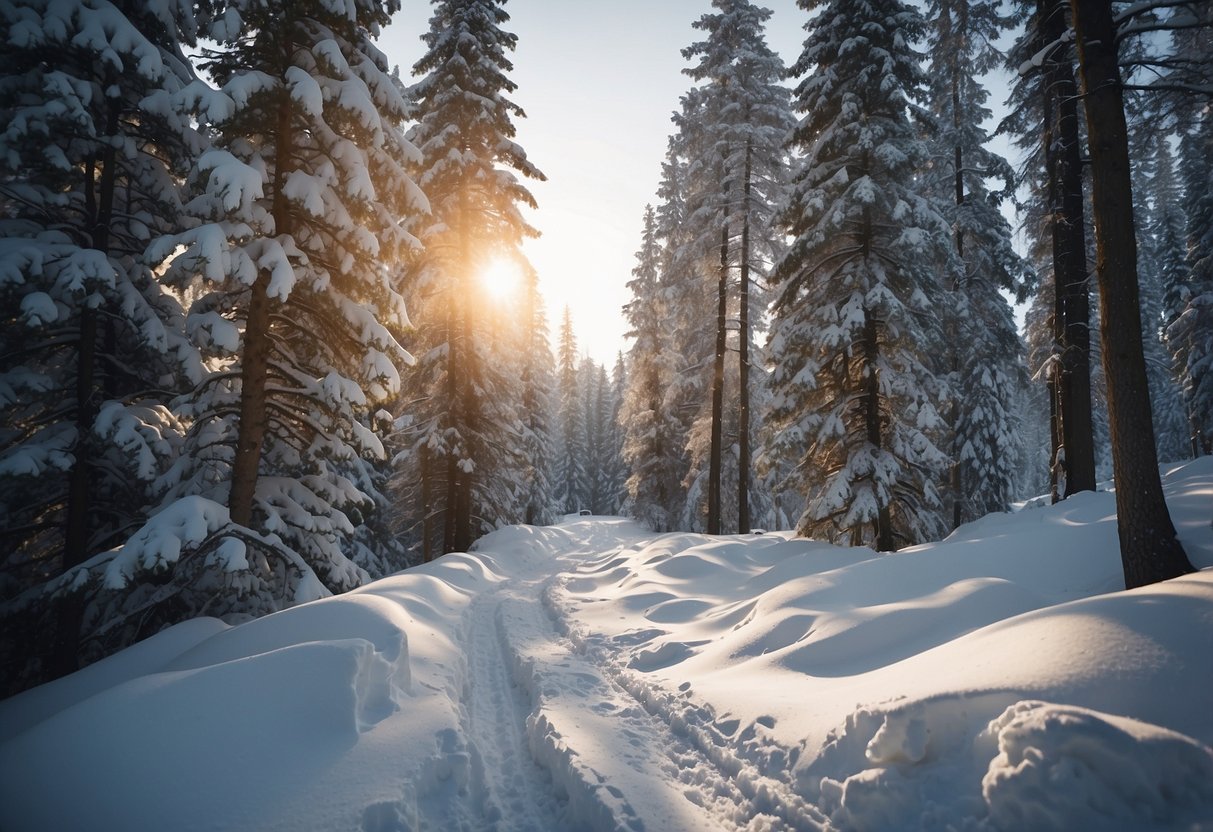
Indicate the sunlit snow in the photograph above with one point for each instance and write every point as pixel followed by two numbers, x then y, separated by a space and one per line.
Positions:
pixel 593 675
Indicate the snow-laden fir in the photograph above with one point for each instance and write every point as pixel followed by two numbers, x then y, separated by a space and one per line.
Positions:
pixel 593 675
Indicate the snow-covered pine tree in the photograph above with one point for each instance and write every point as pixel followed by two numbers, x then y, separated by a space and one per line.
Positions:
pixel 465 132
pixel 572 477
pixel 984 351
pixel 691 224
pixel 738 148
pixel 615 472
pixel 855 318
pixel 290 272
pixel 92 154
pixel 592 378
pixel 1190 335
pixel 1046 123
pixel 537 410
pixel 1159 230
pixel 652 448
pixel 683 293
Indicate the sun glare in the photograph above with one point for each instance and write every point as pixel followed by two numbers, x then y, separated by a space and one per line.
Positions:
pixel 501 279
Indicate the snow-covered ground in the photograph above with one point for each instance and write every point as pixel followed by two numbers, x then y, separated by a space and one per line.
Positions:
pixel 595 676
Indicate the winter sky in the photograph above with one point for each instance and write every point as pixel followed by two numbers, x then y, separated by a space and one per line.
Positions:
pixel 598 82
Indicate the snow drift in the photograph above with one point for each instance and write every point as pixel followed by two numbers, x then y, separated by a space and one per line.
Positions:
pixel 594 676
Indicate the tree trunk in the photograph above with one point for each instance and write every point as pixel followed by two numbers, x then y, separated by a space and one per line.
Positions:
pixel 99 207
pixel 957 287
pixel 743 350
pixel 872 422
pixel 255 359
pixel 715 463
pixel 463 375
pixel 427 522
pixel 1149 548
pixel 1072 298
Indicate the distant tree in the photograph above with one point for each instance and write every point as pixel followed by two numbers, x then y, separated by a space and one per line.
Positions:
pixel 1190 334
pixel 682 292
pixel 984 348
pixel 572 478
pixel 855 316
pixel 614 470
pixel 1158 223
pixel 465 132
pixel 652 449
pixel 1149 548
pixel 1046 120
pixel 537 409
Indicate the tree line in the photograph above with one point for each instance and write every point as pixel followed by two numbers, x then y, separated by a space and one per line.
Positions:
pixel 848 238
pixel 247 362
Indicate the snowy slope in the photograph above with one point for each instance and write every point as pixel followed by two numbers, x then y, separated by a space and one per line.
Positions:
pixel 593 676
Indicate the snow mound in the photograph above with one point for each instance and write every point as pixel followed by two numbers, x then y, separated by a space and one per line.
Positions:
pixel 594 676
pixel 1046 767
pixel 1062 767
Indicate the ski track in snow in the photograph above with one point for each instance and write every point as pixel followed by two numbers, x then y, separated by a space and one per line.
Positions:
pixel 559 735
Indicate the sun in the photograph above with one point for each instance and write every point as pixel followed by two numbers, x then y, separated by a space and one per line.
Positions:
pixel 501 278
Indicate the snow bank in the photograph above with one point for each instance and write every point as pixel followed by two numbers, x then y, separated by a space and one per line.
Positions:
pixel 952 684
pixel 302 719
pixel 594 676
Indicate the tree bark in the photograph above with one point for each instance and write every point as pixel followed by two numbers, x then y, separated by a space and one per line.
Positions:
pixel 743 351
pixel 873 423
pixel 715 463
pixel 1149 548
pixel 463 375
pixel 427 521
pixel 957 287
pixel 255 359
pixel 1072 299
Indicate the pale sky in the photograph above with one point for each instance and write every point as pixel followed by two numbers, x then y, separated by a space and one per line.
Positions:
pixel 598 82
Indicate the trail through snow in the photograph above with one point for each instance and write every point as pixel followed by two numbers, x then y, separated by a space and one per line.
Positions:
pixel 594 676
pixel 559 737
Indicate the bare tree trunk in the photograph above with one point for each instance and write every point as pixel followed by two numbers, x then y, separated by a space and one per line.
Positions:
pixel 1149 549
pixel 715 463
pixel 743 349
pixel 427 523
pixel 1070 277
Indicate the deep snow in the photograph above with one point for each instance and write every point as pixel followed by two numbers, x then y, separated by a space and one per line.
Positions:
pixel 595 676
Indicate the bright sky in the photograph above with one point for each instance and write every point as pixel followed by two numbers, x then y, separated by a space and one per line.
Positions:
pixel 598 82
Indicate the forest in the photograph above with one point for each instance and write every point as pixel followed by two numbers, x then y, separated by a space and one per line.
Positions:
pixel 246 361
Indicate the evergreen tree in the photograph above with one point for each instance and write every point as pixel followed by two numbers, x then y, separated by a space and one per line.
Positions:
pixel 983 347
pixel 854 318
pixel 738 137
pixel 1149 548
pixel 571 472
pixel 92 152
pixel 300 204
pixel 465 133
pixel 1190 334
pixel 651 442
pixel 1159 232
pixel 615 472
pixel 538 387
pixel 1047 124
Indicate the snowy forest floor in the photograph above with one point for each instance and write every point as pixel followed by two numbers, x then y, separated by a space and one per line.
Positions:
pixel 593 675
